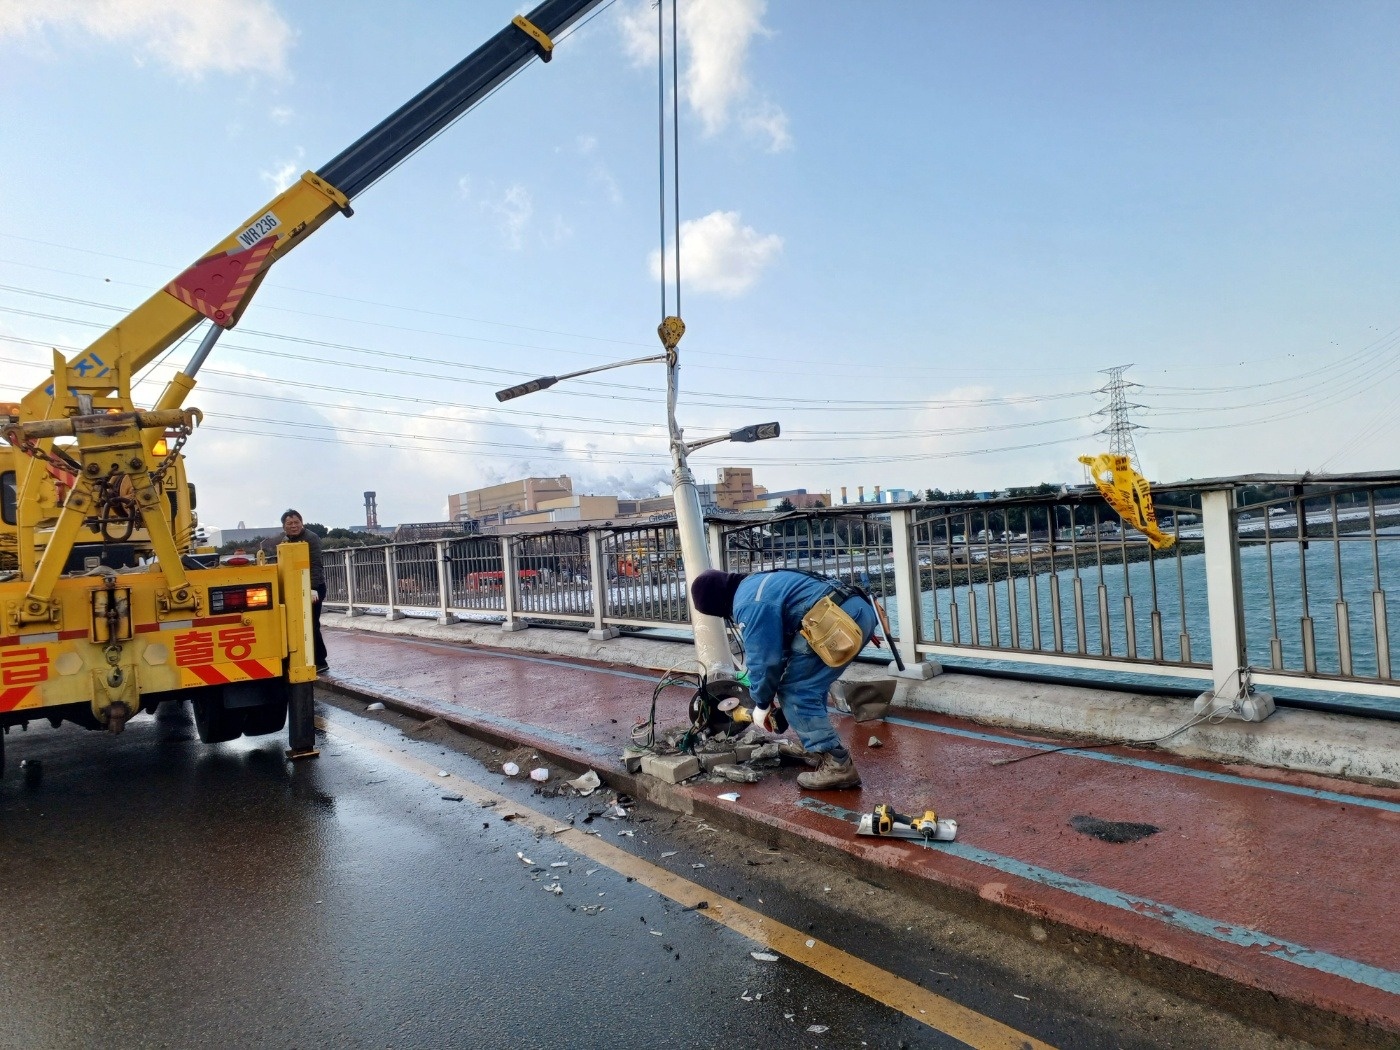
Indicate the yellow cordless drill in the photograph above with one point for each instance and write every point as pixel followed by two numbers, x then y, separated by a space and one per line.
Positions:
pixel 885 817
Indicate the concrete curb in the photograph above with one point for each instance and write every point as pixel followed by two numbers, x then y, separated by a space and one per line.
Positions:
pixel 1363 749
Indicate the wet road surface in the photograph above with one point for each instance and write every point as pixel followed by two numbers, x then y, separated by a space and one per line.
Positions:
pixel 163 893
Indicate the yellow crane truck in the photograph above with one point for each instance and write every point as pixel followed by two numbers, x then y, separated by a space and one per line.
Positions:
pixel 107 607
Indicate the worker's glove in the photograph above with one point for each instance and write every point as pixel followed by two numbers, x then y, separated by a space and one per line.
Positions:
pixel 770 719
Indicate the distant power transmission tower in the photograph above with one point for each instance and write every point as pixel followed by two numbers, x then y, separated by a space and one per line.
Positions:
pixel 1120 428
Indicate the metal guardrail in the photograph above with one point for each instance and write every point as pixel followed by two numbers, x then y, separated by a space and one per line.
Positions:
pixel 1048 581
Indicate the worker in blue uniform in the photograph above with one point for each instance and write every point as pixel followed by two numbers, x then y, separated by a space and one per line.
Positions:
pixel 768 608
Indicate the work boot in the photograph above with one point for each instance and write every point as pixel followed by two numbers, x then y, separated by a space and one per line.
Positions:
pixel 792 753
pixel 832 774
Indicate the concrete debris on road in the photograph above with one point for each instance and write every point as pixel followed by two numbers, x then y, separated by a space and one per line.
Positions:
pixel 510 769
pixel 452 797
pixel 586 784
pixel 737 774
pixel 376 706
pixel 874 741
pixel 729 796
pixel 539 774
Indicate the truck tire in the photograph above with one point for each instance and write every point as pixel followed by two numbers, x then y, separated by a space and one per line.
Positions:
pixel 301 717
pixel 215 723
pixel 269 718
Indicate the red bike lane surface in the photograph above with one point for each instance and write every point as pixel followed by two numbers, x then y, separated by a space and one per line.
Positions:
pixel 1275 882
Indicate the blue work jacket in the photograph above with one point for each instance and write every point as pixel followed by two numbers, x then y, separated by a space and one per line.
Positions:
pixel 768 609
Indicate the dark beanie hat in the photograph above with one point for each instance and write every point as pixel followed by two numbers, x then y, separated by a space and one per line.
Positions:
pixel 713 592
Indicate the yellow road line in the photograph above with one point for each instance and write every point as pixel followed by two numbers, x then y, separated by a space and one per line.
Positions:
pixel 944 1015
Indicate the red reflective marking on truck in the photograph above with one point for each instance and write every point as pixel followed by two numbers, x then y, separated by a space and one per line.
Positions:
pixel 254 668
pixel 209 674
pixel 10 698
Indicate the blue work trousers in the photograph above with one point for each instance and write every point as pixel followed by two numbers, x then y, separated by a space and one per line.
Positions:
pixel 806 679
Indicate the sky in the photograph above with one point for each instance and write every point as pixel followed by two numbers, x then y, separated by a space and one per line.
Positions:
pixel 915 234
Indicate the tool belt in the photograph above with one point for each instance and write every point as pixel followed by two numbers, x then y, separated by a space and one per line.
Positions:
pixel 829 629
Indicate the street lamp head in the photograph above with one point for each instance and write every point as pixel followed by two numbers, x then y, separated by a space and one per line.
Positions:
pixel 542 383
pixel 757 432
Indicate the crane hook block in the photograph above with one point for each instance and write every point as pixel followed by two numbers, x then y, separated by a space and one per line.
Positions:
pixel 544 46
pixel 670 330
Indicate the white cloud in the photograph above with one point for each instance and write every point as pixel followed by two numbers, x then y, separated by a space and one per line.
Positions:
pixel 719 254
pixel 208 36
pixel 715 37
pixel 514 211
pixel 286 173
pixel 281 114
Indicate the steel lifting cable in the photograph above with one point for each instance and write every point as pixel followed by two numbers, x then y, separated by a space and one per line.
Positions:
pixel 675 144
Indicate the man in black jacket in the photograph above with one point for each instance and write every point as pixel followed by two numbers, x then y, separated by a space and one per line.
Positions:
pixel 294 530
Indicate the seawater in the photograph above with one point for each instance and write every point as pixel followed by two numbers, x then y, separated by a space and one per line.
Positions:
pixel 1180 598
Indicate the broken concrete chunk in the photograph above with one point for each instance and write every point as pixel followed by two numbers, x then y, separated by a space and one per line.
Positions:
pixel 738 774
pixel 376 706
pixel 763 956
pixel 539 774
pixel 709 760
pixel 874 741
pixel 510 769
pixel 671 768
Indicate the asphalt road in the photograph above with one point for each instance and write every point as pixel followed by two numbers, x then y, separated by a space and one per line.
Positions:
pixel 158 892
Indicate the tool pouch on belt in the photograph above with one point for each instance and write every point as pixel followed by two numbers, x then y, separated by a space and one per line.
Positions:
pixel 832 633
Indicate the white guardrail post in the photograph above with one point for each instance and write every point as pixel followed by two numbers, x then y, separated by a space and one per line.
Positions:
pixel 1230 694
pixel 510 580
pixel 908 597
pixel 719 557
pixel 598 580
pixel 350 609
pixel 440 551
pixel 391 589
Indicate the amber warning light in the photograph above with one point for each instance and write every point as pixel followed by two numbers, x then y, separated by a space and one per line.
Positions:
pixel 239 599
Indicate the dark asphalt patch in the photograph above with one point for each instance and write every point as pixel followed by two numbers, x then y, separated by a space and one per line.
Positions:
pixel 1112 830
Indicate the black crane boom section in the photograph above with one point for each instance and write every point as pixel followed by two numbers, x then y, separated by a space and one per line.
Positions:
pixel 376 152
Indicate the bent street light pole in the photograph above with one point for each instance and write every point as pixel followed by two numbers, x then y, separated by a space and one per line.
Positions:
pixel 711 642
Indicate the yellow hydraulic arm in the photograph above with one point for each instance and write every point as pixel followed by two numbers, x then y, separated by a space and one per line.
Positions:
pixel 96 384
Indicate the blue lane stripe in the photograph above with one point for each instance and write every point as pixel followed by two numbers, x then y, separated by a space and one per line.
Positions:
pixel 1142 763
pixel 1323 962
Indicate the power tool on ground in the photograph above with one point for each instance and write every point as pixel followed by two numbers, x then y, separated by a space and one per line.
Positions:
pixel 886 822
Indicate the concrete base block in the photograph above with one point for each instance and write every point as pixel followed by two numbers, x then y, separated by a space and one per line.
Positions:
pixel 671 768
pixel 447 619
pixel 394 614
pixel 604 634
pixel 632 760
pixel 919 672
pixel 744 752
pixel 1252 708
pixel 511 626
pixel 708 761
